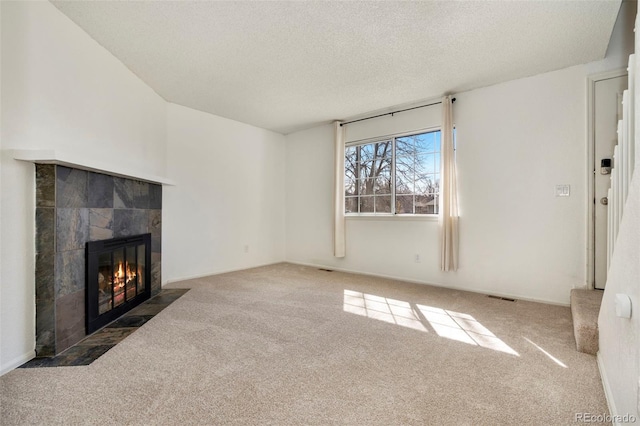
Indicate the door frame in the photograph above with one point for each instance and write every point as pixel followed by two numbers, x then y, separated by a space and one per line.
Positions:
pixel 590 172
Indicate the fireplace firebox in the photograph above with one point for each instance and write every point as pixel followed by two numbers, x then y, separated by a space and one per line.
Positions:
pixel 118 278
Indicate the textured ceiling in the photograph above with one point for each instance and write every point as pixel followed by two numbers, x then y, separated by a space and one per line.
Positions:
pixel 286 66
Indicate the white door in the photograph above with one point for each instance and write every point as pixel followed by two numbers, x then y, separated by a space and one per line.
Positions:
pixel 607 112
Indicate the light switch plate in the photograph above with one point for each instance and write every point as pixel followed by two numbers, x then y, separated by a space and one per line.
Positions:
pixel 563 190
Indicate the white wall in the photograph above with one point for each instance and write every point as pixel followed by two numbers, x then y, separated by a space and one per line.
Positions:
pixel 515 142
pixel 0 184
pixel 229 194
pixel 60 90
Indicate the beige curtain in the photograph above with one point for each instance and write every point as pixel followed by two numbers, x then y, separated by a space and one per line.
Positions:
pixel 338 193
pixel 448 192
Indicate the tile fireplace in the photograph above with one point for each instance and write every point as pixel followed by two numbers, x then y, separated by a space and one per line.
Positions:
pixel 75 207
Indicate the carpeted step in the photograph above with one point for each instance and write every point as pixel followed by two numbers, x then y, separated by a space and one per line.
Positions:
pixel 585 307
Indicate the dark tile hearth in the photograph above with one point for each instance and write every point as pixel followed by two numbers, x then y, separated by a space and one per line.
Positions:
pixel 97 344
pixel 130 321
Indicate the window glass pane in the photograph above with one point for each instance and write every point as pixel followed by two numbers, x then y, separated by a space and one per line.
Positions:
pixel 385 172
pixel 383 181
pixel 382 149
pixel 366 186
pixel 405 146
pixel 366 153
pixel 382 168
pixel 366 205
pixel 351 204
pixel 350 153
pixel 404 204
pixel 404 184
pixel 406 166
pixel 426 204
pixel 350 170
pixel 365 170
pixel 405 169
pixel 425 163
pixel 382 186
pixel 381 162
pixel 383 204
pixel 426 185
pixel 426 142
pixel 350 187
pixel 369 178
pixel 350 161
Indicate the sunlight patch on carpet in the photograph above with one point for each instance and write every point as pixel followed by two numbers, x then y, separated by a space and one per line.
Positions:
pixel 551 357
pixel 448 324
pixel 463 328
pixel 383 309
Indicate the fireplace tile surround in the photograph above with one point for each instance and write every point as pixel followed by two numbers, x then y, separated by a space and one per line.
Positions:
pixel 73 207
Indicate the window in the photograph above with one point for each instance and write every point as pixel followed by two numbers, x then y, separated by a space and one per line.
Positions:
pixel 396 175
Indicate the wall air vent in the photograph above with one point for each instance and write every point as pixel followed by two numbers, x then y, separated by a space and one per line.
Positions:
pixel 501 298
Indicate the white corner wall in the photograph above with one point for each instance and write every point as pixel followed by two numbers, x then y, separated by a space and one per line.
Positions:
pixel 226 211
pixel 619 338
pixel 1 368
pixel 515 142
pixel 63 91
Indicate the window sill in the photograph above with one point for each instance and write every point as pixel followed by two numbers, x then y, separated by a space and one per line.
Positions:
pixel 401 217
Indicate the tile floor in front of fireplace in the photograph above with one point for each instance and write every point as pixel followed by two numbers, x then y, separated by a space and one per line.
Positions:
pixel 97 344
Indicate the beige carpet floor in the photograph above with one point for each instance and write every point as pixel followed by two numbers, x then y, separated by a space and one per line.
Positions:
pixel 290 345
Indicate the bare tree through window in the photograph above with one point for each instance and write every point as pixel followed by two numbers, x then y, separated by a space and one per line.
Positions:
pixel 400 175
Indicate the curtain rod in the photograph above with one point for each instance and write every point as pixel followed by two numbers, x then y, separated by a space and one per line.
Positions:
pixel 394 112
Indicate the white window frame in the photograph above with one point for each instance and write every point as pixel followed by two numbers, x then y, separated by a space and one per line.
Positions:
pixel 393 137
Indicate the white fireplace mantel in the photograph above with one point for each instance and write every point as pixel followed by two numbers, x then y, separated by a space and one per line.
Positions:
pixel 67 159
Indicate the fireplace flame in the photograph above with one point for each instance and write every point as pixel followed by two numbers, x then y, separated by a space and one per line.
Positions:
pixel 120 273
pixel 120 279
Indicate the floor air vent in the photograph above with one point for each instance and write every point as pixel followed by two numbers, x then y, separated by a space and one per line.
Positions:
pixel 325 270
pixel 501 298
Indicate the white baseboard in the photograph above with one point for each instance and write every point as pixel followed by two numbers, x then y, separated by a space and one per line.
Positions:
pixel 433 284
pixel 16 362
pixel 607 389
pixel 353 271
pixel 220 271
